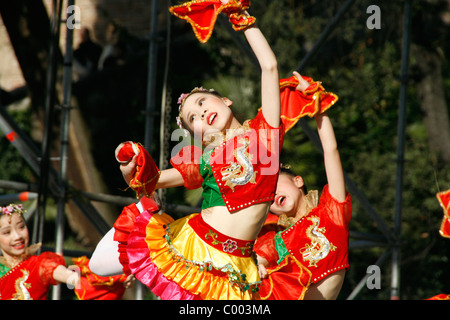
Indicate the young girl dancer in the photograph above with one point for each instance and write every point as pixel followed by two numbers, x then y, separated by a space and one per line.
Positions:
pixel 209 255
pixel 24 276
pixel 308 260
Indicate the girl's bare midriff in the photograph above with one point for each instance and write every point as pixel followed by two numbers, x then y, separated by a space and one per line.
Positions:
pixel 244 224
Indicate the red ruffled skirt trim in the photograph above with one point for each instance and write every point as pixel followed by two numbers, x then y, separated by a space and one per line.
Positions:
pixel 149 276
pixel 176 262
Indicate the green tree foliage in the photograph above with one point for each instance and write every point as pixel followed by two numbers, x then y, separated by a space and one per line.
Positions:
pixel 12 166
pixel 363 67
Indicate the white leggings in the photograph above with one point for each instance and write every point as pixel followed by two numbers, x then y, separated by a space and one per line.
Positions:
pixel 105 259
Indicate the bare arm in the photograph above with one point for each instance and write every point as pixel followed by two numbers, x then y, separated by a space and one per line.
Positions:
pixel 270 87
pixel 332 160
pixel 327 288
pixel 169 178
pixel 66 275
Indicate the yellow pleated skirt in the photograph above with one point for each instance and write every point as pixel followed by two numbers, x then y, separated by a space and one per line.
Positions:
pixel 187 259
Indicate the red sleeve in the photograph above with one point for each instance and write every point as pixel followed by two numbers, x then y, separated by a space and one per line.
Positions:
pixel 265 247
pixel 187 162
pixel 297 104
pixel 49 261
pixel 340 212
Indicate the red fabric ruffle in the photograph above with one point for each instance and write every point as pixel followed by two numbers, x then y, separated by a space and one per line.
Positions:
pixel 132 222
pixel 296 104
pixel 142 266
pixel 94 287
pixel 122 228
pixel 444 200
pixel 202 15
pixel 147 172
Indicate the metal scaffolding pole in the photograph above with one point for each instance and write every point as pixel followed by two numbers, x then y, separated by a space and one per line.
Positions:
pixel 151 77
pixel 79 196
pixel 64 145
pixel 48 121
pixel 150 102
pixel 396 250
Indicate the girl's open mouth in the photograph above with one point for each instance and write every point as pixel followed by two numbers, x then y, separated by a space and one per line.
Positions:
pixel 19 246
pixel 211 118
pixel 281 200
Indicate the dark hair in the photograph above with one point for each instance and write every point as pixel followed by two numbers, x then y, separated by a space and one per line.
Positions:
pixel 288 171
pixel 197 90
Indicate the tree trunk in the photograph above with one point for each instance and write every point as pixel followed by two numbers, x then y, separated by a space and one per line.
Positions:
pixel 431 93
pixel 28 26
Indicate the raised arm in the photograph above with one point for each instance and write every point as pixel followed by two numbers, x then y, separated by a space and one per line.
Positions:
pixel 332 160
pixel 270 87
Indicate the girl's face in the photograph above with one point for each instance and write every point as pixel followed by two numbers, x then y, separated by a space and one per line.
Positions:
pixel 204 113
pixel 13 235
pixel 288 195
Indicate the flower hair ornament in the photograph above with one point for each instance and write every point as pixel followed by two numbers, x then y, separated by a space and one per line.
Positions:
pixel 11 209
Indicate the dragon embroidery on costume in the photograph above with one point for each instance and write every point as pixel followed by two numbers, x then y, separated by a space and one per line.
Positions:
pixel 22 287
pixel 242 172
pixel 319 246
